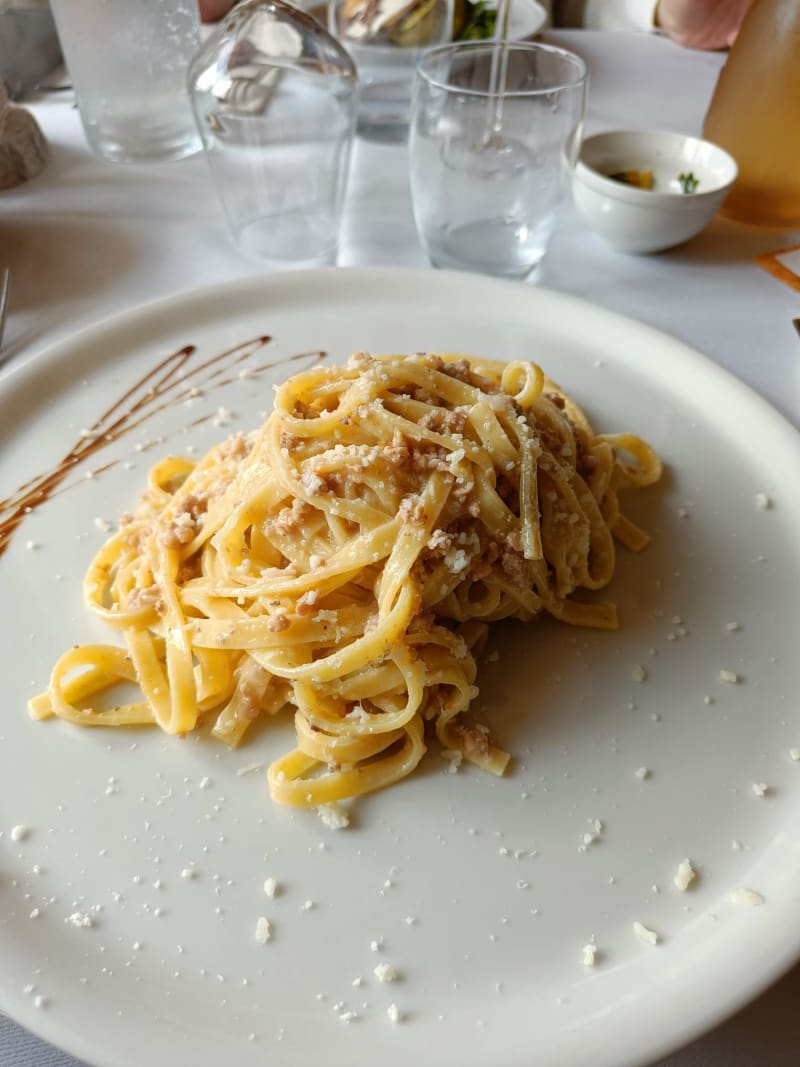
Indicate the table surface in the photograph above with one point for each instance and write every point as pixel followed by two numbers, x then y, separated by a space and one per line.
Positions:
pixel 87 239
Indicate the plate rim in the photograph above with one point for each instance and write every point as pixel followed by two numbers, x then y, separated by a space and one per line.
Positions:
pixel 14 375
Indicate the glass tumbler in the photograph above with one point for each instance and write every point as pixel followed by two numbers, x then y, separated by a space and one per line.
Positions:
pixel 495 133
pixel 128 64
pixel 275 98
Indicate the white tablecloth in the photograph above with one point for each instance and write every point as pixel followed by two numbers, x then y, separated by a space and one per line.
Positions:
pixel 88 239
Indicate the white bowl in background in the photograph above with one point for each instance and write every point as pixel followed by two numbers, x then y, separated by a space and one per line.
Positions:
pixel 639 220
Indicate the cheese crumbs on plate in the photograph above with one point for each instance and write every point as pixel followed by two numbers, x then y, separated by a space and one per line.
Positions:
pixel 334 816
pixel 684 876
pixel 263 930
pixel 745 898
pixel 589 954
pixel 642 932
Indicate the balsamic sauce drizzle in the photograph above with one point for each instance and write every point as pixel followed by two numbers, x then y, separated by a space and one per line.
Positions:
pixel 172 381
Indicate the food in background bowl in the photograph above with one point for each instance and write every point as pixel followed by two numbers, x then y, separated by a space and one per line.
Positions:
pixel 649 190
pixel 402 23
pixel 418 23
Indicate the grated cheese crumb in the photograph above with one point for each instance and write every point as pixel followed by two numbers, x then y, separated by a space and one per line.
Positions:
pixel 394 1013
pixel 384 972
pixel 249 768
pixel 733 627
pixel 745 898
pixel 591 838
pixel 642 932
pixel 684 876
pixel 763 502
pixel 270 887
pixel 348 1016
pixel 760 789
pixel 589 953
pixel 188 872
pixel 794 753
pixel 642 773
pixel 263 930
pixel 454 758
pixel 638 673
pixel 334 816
pixel 19 833
pixel 731 677
pixel 80 918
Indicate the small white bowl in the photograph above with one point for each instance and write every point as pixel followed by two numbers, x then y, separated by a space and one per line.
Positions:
pixel 640 220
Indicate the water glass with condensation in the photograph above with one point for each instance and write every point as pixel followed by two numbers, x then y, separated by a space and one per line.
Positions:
pixel 128 63
pixel 275 99
pixel 495 133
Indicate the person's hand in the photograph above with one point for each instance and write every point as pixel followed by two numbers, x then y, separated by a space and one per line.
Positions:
pixel 213 10
pixel 701 23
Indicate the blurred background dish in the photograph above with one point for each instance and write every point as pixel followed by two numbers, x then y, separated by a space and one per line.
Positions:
pixel 648 190
pixel 386 38
pixel 477 21
pixel 29 47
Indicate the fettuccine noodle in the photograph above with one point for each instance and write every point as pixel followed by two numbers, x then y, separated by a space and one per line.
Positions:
pixel 344 560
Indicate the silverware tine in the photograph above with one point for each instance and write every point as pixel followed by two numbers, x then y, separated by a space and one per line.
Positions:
pixel 797 325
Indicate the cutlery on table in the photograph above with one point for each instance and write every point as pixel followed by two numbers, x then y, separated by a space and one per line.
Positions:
pixel 5 285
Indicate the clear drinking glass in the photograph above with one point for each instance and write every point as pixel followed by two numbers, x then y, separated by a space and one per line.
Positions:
pixel 385 39
pixel 275 99
pixel 128 64
pixel 491 167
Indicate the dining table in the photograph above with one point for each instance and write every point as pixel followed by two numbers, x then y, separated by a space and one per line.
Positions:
pixel 86 240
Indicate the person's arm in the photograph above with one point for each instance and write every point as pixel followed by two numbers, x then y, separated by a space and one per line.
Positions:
pixel 701 23
pixel 704 24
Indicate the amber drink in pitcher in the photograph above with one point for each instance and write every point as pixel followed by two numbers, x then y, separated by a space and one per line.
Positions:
pixel 755 115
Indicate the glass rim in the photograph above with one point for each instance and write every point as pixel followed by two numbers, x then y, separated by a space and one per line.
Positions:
pixel 455 47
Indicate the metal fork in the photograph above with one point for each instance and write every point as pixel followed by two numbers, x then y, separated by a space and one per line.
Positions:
pixel 5 287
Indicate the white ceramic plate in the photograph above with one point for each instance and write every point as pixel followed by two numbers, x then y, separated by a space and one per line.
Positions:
pixel 475 889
